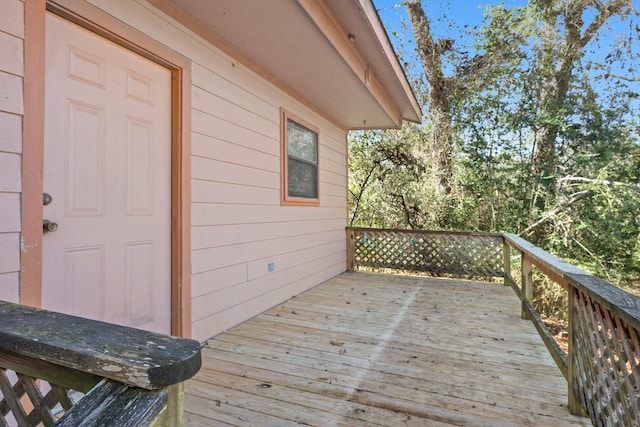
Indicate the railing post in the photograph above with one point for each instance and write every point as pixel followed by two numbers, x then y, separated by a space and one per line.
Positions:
pixel 527 284
pixel 574 402
pixel 174 412
pixel 506 250
pixel 351 242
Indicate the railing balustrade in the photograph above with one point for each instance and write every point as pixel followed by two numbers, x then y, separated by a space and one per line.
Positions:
pixel 602 366
pixel 61 370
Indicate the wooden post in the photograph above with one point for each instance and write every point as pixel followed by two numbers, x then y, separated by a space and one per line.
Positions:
pixel 173 414
pixel 574 402
pixel 506 249
pixel 351 242
pixel 527 284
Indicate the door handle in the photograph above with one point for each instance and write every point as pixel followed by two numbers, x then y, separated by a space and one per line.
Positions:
pixel 48 226
pixel 46 199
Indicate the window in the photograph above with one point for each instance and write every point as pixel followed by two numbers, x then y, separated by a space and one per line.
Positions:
pixel 299 162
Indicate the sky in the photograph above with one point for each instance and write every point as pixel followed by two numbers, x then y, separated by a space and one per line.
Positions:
pixel 460 12
pixel 449 17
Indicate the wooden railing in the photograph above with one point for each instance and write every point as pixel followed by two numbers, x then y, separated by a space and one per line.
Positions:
pixel 61 370
pixel 433 252
pixel 602 366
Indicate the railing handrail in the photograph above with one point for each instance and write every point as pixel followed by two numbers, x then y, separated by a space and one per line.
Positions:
pixel 553 266
pixel 130 377
pixel 420 231
pixel 131 356
pixel 616 300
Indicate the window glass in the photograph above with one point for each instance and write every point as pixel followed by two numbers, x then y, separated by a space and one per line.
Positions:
pixel 301 142
pixel 302 161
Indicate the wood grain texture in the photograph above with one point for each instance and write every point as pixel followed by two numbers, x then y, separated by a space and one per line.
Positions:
pixel 132 356
pixel 381 350
pixel 114 404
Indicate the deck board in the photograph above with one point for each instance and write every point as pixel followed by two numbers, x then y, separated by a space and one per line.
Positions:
pixel 382 350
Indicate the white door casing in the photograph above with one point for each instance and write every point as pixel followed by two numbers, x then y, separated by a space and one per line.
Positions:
pixel 107 166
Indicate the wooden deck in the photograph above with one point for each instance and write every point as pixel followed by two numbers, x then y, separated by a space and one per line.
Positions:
pixel 382 350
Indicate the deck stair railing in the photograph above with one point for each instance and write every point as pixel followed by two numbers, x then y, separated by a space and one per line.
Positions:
pixel 602 366
pixel 61 370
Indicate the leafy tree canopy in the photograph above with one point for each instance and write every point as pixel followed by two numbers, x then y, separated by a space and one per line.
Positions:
pixel 531 125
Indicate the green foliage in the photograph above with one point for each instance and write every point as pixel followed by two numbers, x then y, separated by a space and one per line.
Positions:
pixel 505 99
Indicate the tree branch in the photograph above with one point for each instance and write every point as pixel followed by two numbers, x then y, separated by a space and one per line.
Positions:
pixel 606 10
pixel 625 78
pixel 363 186
pixel 553 212
pixel 635 187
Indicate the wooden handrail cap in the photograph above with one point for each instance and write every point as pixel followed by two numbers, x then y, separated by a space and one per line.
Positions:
pixel 132 356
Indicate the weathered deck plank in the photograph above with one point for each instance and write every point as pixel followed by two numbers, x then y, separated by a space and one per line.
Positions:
pixel 381 350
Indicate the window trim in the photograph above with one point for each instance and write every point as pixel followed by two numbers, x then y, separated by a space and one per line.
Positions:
pixel 285 199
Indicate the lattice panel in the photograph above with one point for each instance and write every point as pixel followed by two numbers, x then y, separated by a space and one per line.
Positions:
pixel 22 401
pixel 607 357
pixel 437 253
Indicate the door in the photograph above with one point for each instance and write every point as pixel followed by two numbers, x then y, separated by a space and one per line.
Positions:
pixel 107 168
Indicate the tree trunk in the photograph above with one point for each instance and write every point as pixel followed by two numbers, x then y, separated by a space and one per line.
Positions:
pixel 439 106
pixel 558 62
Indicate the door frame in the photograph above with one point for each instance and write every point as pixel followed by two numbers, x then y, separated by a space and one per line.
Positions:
pixel 105 25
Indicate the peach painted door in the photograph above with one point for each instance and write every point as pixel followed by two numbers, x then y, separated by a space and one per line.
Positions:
pixel 107 167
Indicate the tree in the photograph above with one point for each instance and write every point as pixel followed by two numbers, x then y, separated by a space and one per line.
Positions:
pixel 387 175
pixel 563 38
pixel 448 94
pixel 439 114
pixel 533 129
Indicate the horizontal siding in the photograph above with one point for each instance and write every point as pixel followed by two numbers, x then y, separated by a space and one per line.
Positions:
pixel 238 224
pixel 12 18
pixel 10 176
pixel 11 110
pixel 9 212
pixel 11 93
pixel 209 103
pixel 9 286
pixel 215 170
pixel 212 148
pixel 316 271
pixel 264 250
pixel 11 133
pixel 208 214
pixel 218 279
pixel 224 235
pixel 222 192
pixel 10 250
pixel 11 54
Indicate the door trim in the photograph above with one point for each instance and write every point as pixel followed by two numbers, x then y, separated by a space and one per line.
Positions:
pixel 103 24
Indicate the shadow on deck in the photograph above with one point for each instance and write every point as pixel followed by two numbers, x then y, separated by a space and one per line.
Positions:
pixel 382 350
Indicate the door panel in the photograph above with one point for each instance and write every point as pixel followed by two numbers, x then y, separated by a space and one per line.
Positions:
pixel 107 165
pixel 83 154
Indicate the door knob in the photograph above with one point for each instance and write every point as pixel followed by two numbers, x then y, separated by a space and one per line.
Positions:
pixel 48 226
pixel 46 199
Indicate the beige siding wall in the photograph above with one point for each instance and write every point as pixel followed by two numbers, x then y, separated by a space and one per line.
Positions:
pixel 11 110
pixel 238 224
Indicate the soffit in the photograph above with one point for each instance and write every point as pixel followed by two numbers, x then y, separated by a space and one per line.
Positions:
pixel 284 41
